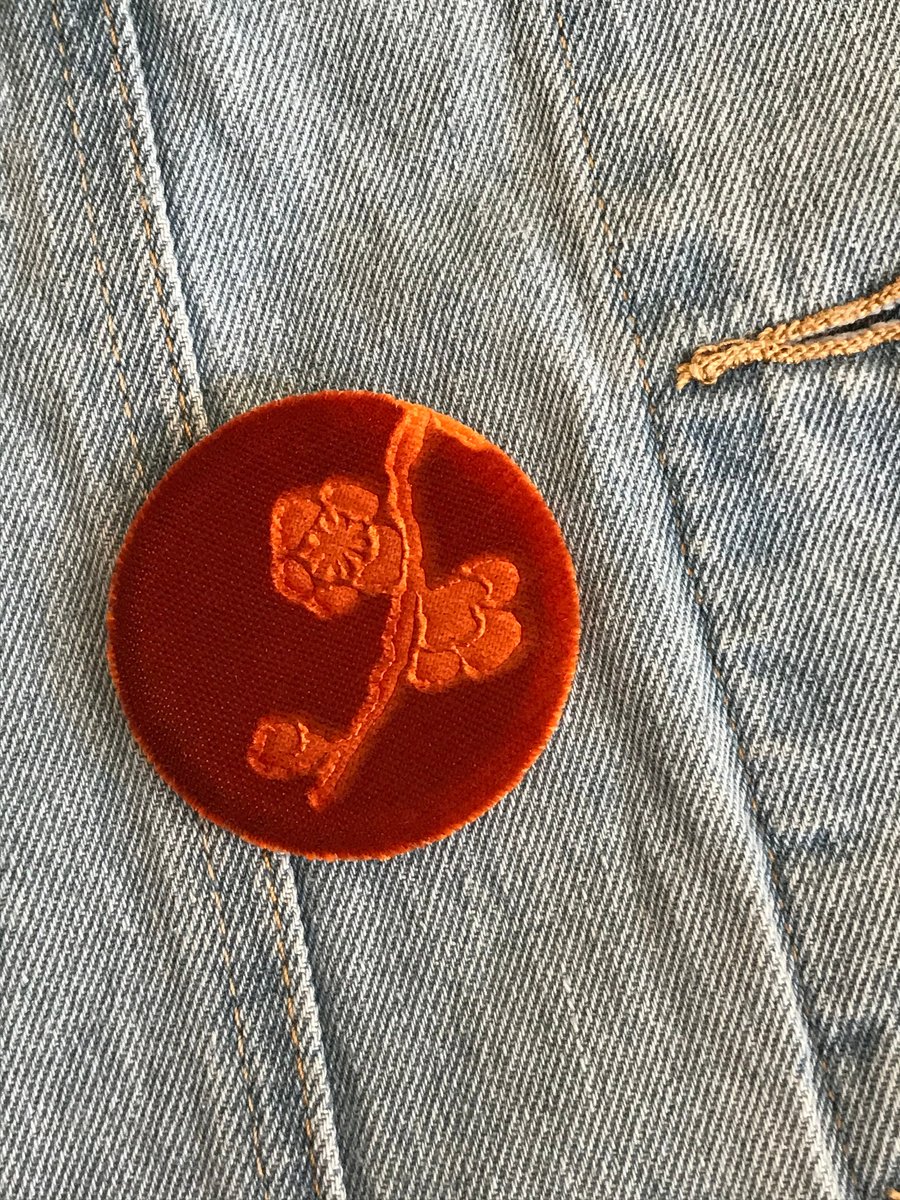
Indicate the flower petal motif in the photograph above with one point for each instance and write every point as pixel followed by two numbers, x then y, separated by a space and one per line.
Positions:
pixel 327 549
pixel 334 600
pixel 450 613
pixel 499 575
pixel 283 748
pixel 293 580
pixel 383 573
pixel 463 630
pixel 349 498
pixel 293 516
pixel 499 636
pixel 436 669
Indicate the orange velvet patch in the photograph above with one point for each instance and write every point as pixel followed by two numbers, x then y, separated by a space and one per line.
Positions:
pixel 343 625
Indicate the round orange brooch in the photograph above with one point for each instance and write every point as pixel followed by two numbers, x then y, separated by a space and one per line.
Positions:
pixel 343 625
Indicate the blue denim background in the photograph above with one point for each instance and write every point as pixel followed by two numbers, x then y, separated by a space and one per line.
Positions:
pixel 157 1020
pixel 669 961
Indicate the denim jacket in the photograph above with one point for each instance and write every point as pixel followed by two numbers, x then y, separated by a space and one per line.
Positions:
pixel 668 962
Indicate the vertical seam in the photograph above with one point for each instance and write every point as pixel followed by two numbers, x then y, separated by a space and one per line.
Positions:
pixel 603 209
pixel 690 568
pixel 291 1010
pixel 115 348
pixel 236 1013
pixel 90 215
pixel 166 323
pixel 146 215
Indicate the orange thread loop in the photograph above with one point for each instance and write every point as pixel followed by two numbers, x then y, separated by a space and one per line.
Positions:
pixel 822 334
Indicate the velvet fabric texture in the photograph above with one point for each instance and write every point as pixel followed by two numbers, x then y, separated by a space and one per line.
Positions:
pixel 343 625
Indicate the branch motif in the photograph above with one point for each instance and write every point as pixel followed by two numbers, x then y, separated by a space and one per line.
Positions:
pixel 328 550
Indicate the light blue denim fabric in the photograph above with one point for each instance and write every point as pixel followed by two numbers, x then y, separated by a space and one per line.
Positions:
pixel 159 1034
pixel 668 964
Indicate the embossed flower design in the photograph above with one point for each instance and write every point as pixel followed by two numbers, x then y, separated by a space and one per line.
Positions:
pixel 283 747
pixel 327 548
pixel 464 630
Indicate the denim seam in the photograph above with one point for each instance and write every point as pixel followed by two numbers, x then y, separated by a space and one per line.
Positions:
pixel 237 1013
pixel 84 180
pixel 146 218
pixel 116 353
pixel 291 1011
pixel 628 306
pixel 178 373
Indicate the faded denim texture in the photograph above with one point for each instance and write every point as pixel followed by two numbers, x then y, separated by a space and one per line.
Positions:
pixel 669 962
